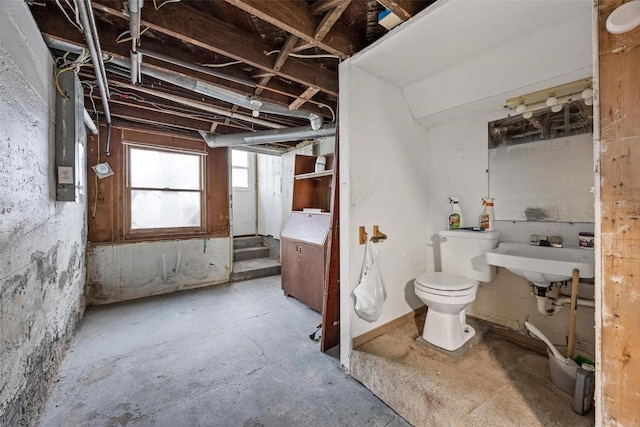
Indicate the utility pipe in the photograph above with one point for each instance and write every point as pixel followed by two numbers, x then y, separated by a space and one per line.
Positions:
pixel 204 107
pixel 268 136
pixel 199 68
pixel 88 121
pixel 94 34
pixel 223 94
pixel 558 303
pixel 98 67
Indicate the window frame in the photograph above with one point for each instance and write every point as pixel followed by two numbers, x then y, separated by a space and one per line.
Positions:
pixel 164 232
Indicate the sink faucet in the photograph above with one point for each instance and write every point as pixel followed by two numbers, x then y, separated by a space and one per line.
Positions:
pixel 554 241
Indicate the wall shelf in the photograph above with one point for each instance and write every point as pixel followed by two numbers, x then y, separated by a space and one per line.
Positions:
pixel 315 175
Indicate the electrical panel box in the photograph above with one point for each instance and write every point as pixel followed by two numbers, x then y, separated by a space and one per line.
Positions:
pixel 70 140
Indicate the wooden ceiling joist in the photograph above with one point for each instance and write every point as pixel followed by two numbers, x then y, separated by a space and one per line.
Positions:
pixel 295 17
pixel 404 9
pixel 322 6
pixel 190 26
pixel 304 97
pixel 330 20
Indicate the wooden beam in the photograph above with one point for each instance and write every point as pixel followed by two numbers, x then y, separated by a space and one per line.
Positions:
pixel 322 6
pixel 296 18
pixel 618 248
pixel 191 26
pixel 329 21
pixel 405 9
pixel 306 95
pixel 52 23
pixel 150 116
pixel 285 51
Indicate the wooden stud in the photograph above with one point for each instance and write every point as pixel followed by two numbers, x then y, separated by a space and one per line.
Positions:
pixel 575 281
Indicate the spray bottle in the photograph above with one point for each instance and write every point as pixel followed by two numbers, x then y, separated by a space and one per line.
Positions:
pixel 486 219
pixel 455 217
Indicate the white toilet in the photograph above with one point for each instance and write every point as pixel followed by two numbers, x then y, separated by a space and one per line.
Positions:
pixel 447 294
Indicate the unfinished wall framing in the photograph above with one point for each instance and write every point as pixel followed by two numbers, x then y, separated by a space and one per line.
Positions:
pixel 619 94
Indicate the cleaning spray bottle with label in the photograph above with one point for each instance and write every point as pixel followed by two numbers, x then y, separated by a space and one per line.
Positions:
pixel 455 217
pixel 486 219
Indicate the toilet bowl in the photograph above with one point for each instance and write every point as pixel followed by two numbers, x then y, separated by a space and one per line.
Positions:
pixel 447 296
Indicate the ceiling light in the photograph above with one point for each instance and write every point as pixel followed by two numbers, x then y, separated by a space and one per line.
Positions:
pixel 556 108
pixel 551 101
pixel 315 121
pixel 521 109
pixel 588 101
pixel 256 103
pixel 624 18
pixel 587 93
pixel 527 115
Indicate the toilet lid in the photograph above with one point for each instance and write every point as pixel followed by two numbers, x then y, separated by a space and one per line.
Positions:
pixel 444 281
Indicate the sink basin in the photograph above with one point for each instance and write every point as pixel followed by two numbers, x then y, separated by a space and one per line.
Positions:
pixel 542 264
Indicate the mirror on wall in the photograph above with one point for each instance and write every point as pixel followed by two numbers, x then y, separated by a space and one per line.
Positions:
pixel 541 168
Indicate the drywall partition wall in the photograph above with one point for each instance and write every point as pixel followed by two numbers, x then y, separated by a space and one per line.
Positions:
pixel 457 164
pixel 545 58
pixel 127 271
pixel 42 242
pixel 269 195
pixel 382 182
pixel 619 244
pixel 460 58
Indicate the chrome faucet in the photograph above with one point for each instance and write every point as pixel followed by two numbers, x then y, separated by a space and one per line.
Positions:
pixel 554 241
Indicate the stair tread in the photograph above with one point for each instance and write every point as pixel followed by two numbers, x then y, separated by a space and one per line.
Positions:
pixel 254 264
pixel 251 248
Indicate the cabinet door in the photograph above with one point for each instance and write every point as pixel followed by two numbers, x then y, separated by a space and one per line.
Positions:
pixel 290 266
pixel 312 272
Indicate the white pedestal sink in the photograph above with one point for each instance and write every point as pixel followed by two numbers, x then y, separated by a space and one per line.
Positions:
pixel 542 264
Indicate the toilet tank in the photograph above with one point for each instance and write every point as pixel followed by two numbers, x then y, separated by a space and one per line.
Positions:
pixel 462 253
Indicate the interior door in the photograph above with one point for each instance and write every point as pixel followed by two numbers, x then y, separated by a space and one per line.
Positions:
pixel 243 181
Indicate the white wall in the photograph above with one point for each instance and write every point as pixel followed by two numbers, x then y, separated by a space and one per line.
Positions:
pixel 127 271
pixel 382 182
pixel 42 242
pixel 396 175
pixel 457 164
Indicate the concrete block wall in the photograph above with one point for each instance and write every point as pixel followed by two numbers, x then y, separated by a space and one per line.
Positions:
pixel 42 242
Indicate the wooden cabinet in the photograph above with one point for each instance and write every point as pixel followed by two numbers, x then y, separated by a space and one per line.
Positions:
pixel 305 235
pixel 304 257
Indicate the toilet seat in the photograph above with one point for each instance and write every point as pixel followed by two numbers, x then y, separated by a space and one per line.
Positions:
pixel 445 284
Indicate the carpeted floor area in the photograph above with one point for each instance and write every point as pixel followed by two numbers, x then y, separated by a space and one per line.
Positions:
pixel 497 383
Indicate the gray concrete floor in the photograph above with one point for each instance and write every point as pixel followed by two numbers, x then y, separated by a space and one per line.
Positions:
pixel 237 354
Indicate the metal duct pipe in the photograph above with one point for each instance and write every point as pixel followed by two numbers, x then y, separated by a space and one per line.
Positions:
pixel 204 107
pixel 69 47
pixel 98 67
pixel 268 136
pixel 94 34
pixel 223 94
pixel 199 68
pixel 135 7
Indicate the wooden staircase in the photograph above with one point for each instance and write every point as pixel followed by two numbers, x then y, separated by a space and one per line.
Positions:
pixel 251 259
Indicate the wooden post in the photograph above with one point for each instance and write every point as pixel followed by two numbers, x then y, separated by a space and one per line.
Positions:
pixel 575 281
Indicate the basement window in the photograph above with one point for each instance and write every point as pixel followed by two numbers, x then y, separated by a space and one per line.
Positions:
pixel 165 191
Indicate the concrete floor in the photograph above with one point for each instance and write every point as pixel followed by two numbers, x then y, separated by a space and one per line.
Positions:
pixel 496 383
pixel 237 354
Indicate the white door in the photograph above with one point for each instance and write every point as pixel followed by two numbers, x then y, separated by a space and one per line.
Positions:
pixel 243 181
